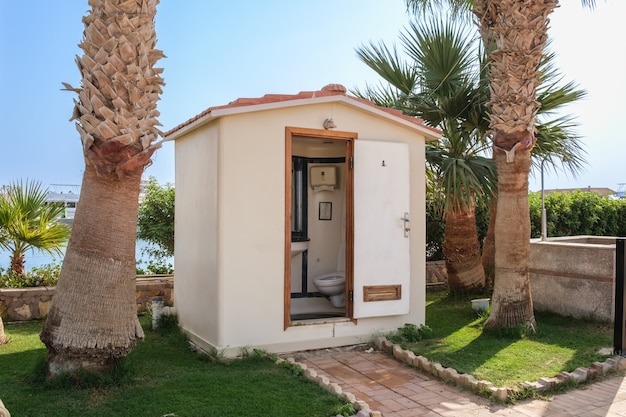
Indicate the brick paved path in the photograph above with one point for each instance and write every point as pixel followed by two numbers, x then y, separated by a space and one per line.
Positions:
pixel 396 390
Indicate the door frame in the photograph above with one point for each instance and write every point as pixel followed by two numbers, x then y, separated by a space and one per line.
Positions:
pixel 348 138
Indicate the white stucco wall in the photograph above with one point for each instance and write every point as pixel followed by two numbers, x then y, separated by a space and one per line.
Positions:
pixel 230 204
pixel 196 292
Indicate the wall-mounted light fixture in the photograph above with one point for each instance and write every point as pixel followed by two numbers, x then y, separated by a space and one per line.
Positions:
pixel 329 124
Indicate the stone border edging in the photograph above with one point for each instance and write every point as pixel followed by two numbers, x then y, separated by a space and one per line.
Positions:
pixel 361 406
pixel 579 375
pixel 481 387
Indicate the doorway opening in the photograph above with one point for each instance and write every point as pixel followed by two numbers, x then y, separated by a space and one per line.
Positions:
pixel 318 225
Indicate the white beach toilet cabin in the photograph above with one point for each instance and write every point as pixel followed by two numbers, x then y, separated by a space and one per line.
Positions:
pixel 300 222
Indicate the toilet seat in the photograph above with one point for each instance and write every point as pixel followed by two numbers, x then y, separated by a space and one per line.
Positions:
pixel 332 278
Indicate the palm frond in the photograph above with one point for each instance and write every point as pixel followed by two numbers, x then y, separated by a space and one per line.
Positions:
pixel 381 95
pixel 444 53
pixel 388 64
pixel 28 221
pixel 558 144
pixel 460 8
pixel 553 93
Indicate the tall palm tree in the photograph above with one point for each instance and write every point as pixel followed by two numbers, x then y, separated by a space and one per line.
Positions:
pixel 442 85
pixel 558 146
pixel 28 222
pixel 92 321
pixel 520 30
pixel 517 34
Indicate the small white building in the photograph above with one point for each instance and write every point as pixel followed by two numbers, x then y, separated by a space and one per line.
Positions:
pixel 275 193
pixel 68 194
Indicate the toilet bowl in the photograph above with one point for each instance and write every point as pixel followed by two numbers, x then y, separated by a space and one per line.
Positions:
pixel 333 286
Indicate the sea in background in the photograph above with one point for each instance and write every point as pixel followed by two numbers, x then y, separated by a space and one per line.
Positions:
pixel 36 258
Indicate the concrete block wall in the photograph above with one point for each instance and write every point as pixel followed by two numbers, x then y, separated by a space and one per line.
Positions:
pixel 574 276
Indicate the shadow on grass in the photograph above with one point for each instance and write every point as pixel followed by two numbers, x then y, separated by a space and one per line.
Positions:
pixel 508 358
pixel 447 313
pixel 23 328
pixel 166 377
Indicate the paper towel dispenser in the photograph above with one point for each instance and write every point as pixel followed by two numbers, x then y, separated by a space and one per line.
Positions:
pixel 323 176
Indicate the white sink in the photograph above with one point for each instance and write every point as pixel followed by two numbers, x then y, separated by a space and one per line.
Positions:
pixel 298 247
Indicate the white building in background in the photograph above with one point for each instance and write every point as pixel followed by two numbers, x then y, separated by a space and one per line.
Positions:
pixel 68 194
pixel 142 189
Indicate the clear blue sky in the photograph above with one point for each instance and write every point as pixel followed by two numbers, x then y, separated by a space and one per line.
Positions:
pixel 219 51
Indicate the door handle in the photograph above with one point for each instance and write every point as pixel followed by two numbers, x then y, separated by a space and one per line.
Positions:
pixel 407 224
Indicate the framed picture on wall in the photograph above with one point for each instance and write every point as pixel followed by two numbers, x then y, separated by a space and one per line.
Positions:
pixel 326 210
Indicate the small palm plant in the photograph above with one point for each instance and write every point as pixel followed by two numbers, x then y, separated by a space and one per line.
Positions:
pixel 27 222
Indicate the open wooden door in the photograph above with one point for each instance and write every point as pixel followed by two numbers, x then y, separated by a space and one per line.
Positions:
pixel 381 229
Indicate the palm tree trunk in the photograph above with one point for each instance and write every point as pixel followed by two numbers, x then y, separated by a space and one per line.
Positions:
pixel 520 30
pixel 512 304
pixel 17 263
pixel 92 321
pixel 489 245
pixel 462 252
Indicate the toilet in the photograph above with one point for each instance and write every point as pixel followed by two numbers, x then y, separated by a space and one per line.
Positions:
pixel 333 284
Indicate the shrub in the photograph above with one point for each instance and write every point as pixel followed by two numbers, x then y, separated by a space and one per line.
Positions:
pixel 411 333
pixel 44 276
pixel 155 216
pixel 567 214
pixel 578 213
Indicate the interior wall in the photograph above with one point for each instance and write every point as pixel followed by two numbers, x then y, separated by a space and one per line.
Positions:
pixel 325 235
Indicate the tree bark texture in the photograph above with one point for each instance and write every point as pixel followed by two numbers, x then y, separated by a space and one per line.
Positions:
pixel 462 252
pixel 92 321
pixel 17 263
pixel 512 304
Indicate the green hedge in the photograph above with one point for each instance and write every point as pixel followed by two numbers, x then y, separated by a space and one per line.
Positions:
pixel 578 213
pixel 567 214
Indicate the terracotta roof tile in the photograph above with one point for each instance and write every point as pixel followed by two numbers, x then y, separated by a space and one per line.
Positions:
pixel 328 90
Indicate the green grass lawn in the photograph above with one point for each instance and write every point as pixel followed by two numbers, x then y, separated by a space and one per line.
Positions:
pixel 164 377
pixel 161 377
pixel 458 341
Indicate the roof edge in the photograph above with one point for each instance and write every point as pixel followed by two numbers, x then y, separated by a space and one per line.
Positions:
pixel 330 93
